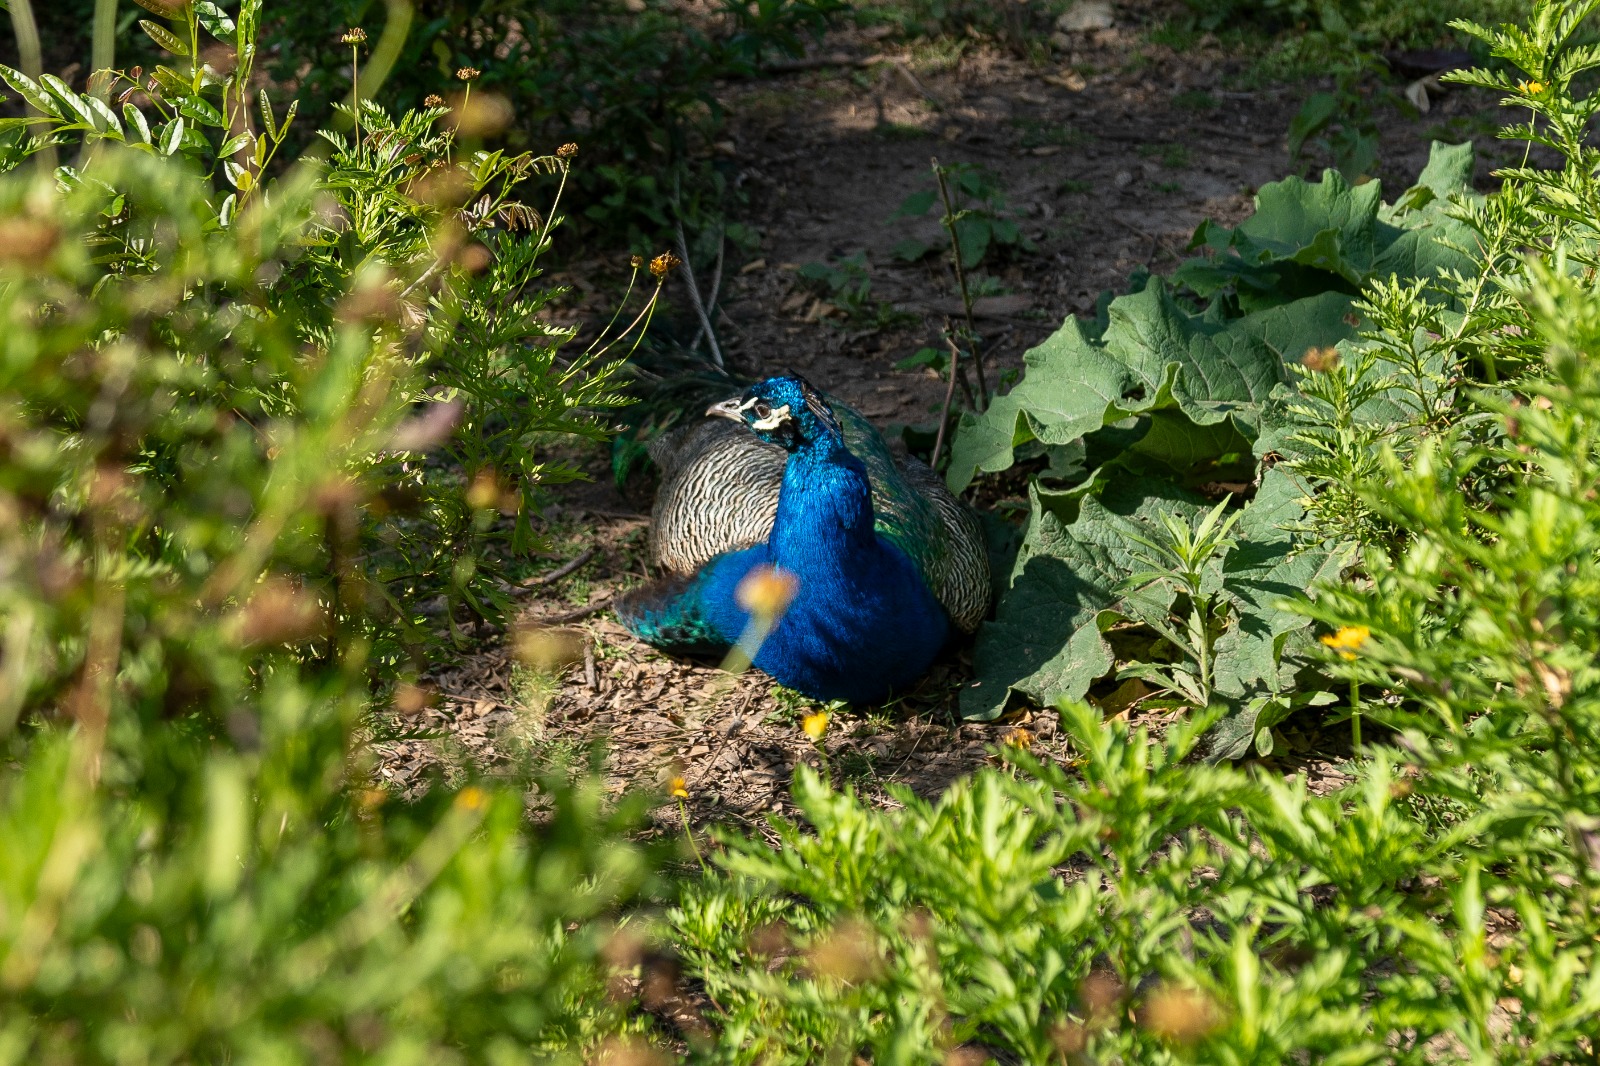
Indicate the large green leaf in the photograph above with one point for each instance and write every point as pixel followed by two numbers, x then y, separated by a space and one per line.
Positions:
pixel 1048 642
pixel 1154 355
pixel 1306 237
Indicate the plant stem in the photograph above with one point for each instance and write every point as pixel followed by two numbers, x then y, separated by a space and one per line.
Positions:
pixel 694 296
pixel 949 395
pixel 689 833
pixel 1355 714
pixel 949 221
pixel 355 91
pixel 103 53
pixel 31 57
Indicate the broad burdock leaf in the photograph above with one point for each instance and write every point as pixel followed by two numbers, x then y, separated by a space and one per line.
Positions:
pixel 1068 588
pixel 1047 640
pixel 1153 355
pixel 1306 237
pixel 164 37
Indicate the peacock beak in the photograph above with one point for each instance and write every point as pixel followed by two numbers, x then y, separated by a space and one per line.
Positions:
pixel 726 409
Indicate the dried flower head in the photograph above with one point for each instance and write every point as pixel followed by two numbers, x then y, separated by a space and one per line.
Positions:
pixel 354 35
pixel 677 787
pixel 766 591
pixel 567 151
pixel 27 242
pixel 815 725
pixel 548 651
pixel 482 114
pixel 433 100
pixel 636 261
pixel 467 73
pixel 279 611
pixel 1320 360
pixel 848 954
pixel 1347 640
pixel 663 264
pixel 1180 1015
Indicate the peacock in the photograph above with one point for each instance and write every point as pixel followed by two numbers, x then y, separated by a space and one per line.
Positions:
pixel 887 565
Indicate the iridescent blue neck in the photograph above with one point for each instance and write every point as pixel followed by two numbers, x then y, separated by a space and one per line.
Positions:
pixel 824 509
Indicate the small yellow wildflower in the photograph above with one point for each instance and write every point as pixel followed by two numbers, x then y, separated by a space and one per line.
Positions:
pixel 1531 88
pixel 467 73
pixel 1320 360
pixel 766 591
pixel 472 798
pixel 1347 640
pixel 1018 738
pixel 815 725
pixel 662 264
pixel 354 35
pixel 567 151
pixel 677 788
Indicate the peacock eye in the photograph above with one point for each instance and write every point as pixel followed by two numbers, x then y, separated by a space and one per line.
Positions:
pixel 763 409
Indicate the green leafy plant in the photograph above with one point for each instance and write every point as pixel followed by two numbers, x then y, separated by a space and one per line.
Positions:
pixel 846 284
pixel 1184 561
pixel 976 216
pixel 214 414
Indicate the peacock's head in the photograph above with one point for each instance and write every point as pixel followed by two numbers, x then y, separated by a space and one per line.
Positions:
pixel 787 411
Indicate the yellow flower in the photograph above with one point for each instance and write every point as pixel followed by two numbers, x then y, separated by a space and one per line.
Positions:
pixel 1531 88
pixel 766 591
pixel 677 788
pixel 1347 640
pixel 1018 738
pixel 662 264
pixel 815 726
pixel 1320 360
pixel 472 798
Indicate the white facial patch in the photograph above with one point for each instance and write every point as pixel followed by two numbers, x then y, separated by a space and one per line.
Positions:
pixel 778 417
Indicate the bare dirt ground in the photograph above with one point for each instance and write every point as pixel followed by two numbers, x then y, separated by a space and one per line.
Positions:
pixel 1108 156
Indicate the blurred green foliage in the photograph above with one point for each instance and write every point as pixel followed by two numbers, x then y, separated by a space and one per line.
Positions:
pixel 237 413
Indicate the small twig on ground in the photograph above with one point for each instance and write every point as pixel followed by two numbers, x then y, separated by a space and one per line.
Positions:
pixel 716 287
pixel 796 66
pixel 573 616
pixel 905 72
pixel 561 571
pixel 1157 243
pixel 694 297
pixel 949 395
